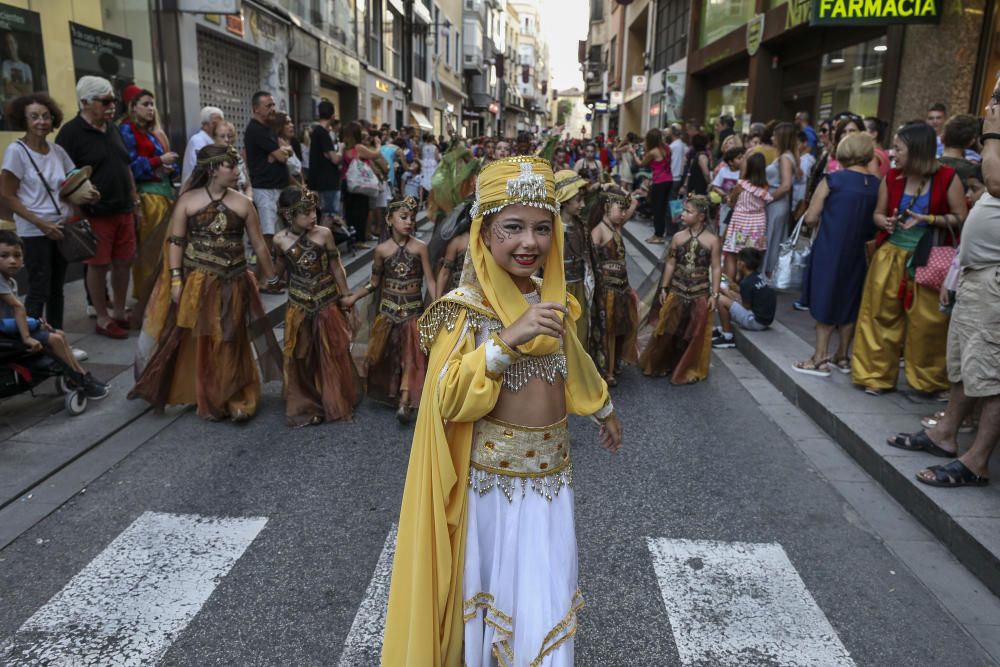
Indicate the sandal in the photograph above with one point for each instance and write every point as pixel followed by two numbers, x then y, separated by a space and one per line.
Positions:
pixel 612 382
pixel 843 365
pixel 952 475
pixel 811 367
pixel 918 442
pixel 875 391
pixel 656 239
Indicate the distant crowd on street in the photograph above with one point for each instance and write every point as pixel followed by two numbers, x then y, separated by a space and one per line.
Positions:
pixel 890 236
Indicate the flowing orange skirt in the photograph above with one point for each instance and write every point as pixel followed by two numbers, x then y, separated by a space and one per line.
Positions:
pixel 320 379
pixel 681 343
pixel 395 361
pixel 203 353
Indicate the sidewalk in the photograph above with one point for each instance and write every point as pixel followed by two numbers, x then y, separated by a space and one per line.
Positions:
pixel 967 520
pixel 38 438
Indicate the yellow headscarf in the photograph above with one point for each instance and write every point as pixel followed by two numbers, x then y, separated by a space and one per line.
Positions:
pixel 568 183
pixel 527 180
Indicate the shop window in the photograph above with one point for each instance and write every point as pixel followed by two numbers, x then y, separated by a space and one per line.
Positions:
pixel 850 79
pixel 596 10
pixel 721 17
pixel 420 52
pixel 729 99
pixel 990 64
pixel 373 33
pixel 672 17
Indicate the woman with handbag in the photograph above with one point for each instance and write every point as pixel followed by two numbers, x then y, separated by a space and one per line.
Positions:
pixel 357 203
pixel 152 162
pixel 33 168
pixel 842 206
pixel 920 203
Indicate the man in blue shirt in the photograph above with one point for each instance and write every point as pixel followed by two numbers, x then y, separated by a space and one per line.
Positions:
pixel 802 123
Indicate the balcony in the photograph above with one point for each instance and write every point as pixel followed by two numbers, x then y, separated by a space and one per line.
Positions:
pixel 475 9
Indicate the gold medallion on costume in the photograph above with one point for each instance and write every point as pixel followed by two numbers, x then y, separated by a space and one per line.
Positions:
pixel 219 224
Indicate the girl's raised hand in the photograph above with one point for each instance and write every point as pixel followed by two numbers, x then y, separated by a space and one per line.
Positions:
pixel 541 319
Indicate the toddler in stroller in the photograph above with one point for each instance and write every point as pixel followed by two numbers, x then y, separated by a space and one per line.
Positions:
pixel 30 350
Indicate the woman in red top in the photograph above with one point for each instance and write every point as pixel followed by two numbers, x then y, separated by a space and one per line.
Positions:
pixel 919 197
pixel 152 163
pixel 657 158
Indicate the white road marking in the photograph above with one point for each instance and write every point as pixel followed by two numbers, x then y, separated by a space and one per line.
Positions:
pixel 734 603
pixel 363 645
pixel 129 604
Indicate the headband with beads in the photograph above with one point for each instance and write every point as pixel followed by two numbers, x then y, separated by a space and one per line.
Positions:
pixel 229 156
pixel 405 202
pixel 308 202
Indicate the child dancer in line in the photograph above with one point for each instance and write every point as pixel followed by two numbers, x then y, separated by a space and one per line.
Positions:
pixel 395 363
pixel 450 272
pixel 748 224
pixel 615 318
pixel 570 191
pixel 486 558
pixel 320 380
pixel 681 345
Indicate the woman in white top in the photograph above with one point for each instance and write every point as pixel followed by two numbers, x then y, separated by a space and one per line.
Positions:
pixel 429 158
pixel 33 168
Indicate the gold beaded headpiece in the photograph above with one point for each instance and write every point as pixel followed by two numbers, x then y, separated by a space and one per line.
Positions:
pixel 612 197
pixel 700 202
pixel 406 202
pixel 229 156
pixel 531 185
pixel 308 202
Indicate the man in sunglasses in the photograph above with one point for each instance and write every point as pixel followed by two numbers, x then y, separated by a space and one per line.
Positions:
pixel 91 139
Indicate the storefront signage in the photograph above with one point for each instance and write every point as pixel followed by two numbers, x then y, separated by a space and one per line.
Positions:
pixel 305 49
pixel 382 86
pixel 617 97
pixel 209 6
pixel 234 24
pixel 755 33
pixel 99 53
pixel 875 12
pixel 601 107
pixel 639 82
pixel 797 12
pixel 23 66
pixel 337 64
pixel 654 111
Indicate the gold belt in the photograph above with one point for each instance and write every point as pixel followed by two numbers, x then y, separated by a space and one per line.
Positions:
pixel 507 455
pixel 308 298
pixel 220 266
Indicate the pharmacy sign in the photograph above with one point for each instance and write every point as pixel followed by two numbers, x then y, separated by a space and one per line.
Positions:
pixel 875 12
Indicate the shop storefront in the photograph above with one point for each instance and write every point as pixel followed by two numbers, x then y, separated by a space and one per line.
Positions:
pixel 420 108
pixel 340 77
pixel 236 56
pixel 851 56
pixel 385 103
pixel 47 46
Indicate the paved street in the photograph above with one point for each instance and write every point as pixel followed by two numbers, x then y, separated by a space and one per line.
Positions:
pixel 711 539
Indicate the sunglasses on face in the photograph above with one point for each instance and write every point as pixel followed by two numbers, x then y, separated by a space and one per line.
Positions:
pixel 106 101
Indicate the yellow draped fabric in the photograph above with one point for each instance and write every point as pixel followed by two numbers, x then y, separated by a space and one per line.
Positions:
pixel 153 223
pixel 424 623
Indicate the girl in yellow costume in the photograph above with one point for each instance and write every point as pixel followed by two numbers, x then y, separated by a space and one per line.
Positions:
pixel 204 314
pixel 570 191
pixel 490 454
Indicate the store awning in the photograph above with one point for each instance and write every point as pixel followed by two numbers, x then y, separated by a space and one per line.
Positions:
pixel 421 120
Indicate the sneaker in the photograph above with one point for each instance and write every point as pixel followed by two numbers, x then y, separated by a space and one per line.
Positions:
pixel 80 355
pixel 717 332
pixel 724 342
pixel 93 389
pixel 799 306
pixel 91 312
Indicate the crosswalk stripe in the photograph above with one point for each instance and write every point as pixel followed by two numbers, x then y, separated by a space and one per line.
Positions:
pixel 735 603
pixel 129 604
pixel 363 645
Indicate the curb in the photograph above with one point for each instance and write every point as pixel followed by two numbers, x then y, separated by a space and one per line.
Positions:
pixel 967 523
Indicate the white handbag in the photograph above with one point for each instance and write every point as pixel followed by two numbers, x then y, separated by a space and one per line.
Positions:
pixel 361 179
pixel 793 257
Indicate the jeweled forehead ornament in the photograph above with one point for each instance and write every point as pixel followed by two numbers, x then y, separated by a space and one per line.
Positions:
pixel 528 188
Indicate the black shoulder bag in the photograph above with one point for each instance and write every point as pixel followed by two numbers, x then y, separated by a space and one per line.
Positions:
pixel 78 242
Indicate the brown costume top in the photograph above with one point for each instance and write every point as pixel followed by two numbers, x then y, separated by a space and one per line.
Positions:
pixel 691 273
pixel 312 286
pixel 215 241
pixel 402 280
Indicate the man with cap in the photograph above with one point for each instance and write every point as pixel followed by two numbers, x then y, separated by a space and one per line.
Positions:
pixel 210 117
pixel 92 139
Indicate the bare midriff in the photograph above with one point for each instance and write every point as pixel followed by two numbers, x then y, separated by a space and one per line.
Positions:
pixel 538 403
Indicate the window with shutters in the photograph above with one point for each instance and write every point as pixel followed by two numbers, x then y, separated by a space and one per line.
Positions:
pixel 228 76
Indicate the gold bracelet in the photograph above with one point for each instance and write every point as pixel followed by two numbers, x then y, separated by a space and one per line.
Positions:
pixel 495 337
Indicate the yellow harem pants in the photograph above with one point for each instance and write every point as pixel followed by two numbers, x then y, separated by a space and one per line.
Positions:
pixel 885 326
pixel 154 219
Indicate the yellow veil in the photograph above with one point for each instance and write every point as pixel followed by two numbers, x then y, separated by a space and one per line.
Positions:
pixel 424 622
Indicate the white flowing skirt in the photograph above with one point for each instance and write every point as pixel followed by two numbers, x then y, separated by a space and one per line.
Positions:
pixel 520 583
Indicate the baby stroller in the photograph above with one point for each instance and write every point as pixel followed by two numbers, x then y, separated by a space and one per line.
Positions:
pixel 22 371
